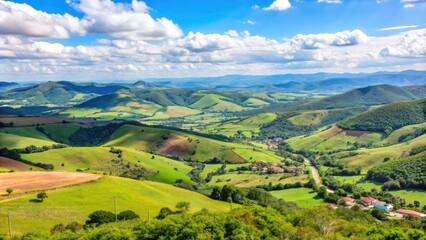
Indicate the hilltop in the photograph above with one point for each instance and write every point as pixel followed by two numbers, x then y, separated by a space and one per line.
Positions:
pixel 367 96
pixel 60 93
pixel 389 117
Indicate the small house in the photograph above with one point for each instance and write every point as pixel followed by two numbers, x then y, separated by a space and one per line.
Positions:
pixel 348 201
pixel 406 213
pixel 368 201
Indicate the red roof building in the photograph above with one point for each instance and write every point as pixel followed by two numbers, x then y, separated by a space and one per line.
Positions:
pixel 406 212
pixel 368 200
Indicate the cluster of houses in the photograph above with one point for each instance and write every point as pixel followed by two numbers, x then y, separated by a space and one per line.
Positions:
pixel 271 168
pixel 272 143
pixel 369 202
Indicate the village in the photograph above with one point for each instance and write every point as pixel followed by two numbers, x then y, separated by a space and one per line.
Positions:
pixel 370 202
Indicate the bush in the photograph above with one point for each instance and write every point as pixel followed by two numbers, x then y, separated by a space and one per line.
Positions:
pixel 100 217
pixel 127 215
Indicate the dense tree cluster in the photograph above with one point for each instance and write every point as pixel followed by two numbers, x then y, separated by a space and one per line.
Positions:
pixel 408 171
pixel 389 117
pixel 253 223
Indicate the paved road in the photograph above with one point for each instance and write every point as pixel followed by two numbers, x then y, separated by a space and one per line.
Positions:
pixel 316 175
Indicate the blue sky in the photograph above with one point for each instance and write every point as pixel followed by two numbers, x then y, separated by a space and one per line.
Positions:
pixel 90 39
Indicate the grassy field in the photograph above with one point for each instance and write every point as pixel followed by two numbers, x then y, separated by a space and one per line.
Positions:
pixel 308 118
pixel 393 137
pixel 368 158
pixel 30 132
pixel 256 156
pixel 304 197
pixel 15 141
pixel 411 195
pixel 252 179
pixel 61 131
pixel 173 112
pixel 213 167
pixel 333 139
pixel 248 126
pixel 76 203
pixel 97 158
pixel 185 145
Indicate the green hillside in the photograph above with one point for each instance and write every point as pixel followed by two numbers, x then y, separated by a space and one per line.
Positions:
pixel 56 93
pixel 16 141
pixel 99 159
pixel 182 145
pixel 76 203
pixel 368 158
pixel 61 132
pixel 389 117
pixel 408 171
pixel 367 96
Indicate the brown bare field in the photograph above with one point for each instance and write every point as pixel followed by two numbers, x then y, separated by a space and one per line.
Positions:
pixel 333 131
pixel 31 181
pixel 176 145
pixel 354 133
pixel 7 163
pixel 28 121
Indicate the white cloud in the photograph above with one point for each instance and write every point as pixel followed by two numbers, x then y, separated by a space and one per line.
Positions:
pixel 278 5
pixel 329 1
pixel 250 22
pixel 22 19
pixel 398 28
pixel 120 20
pixel 411 44
pixel 411 3
pixel 255 6
pixel 316 41
pixel 199 54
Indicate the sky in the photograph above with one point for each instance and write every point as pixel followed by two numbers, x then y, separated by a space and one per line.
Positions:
pixel 86 40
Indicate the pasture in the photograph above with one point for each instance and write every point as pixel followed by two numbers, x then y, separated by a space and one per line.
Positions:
pixel 76 203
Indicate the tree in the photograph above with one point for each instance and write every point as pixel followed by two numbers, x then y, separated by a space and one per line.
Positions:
pixel 164 212
pixel 379 214
pixel 183 206
pixel 391 185
pixel 100 217
pixel 41 196
pixel 416 203
pixel 127 215
pixel 9 190
pixel 215 193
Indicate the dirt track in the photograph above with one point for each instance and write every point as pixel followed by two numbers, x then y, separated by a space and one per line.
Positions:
pixel 13 164
pixel 30 181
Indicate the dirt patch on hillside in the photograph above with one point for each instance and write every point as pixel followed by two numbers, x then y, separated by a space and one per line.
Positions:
pixel 333 131
pixel 354 133
pixel 176 146
pixel 28 121
pixel 30 181
pixel 13 164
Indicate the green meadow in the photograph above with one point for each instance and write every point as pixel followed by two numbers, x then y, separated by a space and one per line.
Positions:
pixel 304 197
pixel 76 203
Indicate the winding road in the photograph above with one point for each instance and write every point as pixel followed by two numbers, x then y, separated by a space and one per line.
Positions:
pixel 316 175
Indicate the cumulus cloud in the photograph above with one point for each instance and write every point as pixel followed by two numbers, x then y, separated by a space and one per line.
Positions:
pixel 278 5
pixel 411 44
pixel 120 20
pixel 22 19
pixel 316 41
pixel 200 54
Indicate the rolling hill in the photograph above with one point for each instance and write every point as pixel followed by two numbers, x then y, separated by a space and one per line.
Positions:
pixel 367 96
pixel 389 117
pixel 60 93
pixel 187 146
pixel 76 203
